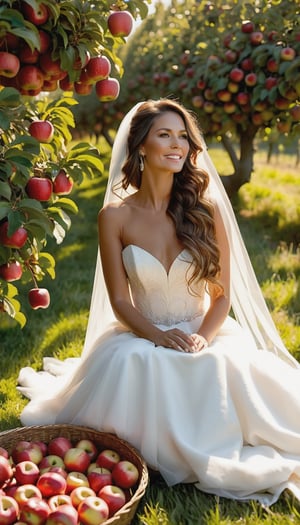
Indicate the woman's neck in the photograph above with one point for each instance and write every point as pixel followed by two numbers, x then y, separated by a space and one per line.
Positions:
pixel 154 193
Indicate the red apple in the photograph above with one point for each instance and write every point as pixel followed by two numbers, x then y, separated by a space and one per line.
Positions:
pixel 59 499
pixel 43 446
pixel 35 511
pixel 26 472
pixel 247 26
pixel 6 472
pixel 224 95
pixel 58 470
pixel 30 78
pixel 125 474
pixel 120 23
pixel 51 67
pixel 83 88
pixel 257 119
pixel 93 511
pixel 51 483
pixel 27 450
pixel 272 65
pixel 256 38
pixel 242 98
pixel 28 55
pixel 38 298
pixel 233 87
pixel 89 446
pixel 11 271
pixel 230 107
pixel 64 515
pixel 295 112
pixel 197 101
pixel 76 459
pixel 58 446
pixel 283 127
pixel 16 240
pixel 25 492
pixel 108 89
pixel 80 494
pixel 80 63
pixel 65 84
pixel 4 452
pixel 9 64
pixel 51 460
pixel 39 188
pixel 247 64
pixel 114 497
pixel 99 477
pixel 251 79
pixel 42 130
pixel 287 53
pixel 37 16
pixel 98 68
pixel 231 56
pixel 45 41
pixel 9 42
pixel 108 459
pixel 9 510
pixel 271 82
pixel 76 479
pixel 50 85
pixel 282 103
pixel 236 74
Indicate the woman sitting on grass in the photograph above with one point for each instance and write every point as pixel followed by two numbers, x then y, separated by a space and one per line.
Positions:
pixel 204 397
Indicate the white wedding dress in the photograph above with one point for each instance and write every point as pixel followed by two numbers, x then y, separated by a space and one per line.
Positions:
pixel 227 418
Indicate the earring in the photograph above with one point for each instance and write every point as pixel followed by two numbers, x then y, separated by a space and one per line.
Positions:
pixel 141 163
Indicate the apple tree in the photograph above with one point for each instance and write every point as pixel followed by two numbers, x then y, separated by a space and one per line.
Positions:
pixel 49 51
pixel 237 65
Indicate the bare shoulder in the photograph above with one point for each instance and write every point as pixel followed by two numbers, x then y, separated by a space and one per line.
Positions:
pixel 114 211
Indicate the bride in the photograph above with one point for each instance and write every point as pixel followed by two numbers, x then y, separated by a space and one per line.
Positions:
pixel 204 396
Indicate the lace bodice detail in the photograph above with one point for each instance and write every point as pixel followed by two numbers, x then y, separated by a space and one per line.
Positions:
pixel 162 297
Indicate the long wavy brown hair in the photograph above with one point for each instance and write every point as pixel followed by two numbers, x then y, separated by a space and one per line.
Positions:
pixel 192 213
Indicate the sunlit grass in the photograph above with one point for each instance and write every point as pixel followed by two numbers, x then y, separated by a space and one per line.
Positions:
pixel 267 213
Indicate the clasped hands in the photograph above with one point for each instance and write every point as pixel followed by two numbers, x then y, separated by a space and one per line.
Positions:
pixel 182 342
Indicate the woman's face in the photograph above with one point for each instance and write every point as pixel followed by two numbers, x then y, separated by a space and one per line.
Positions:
pixel 166 146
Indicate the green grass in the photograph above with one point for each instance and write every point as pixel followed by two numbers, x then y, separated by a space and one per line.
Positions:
pixel 268 212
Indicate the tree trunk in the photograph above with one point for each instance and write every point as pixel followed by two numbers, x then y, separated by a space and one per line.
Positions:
pixel 243 166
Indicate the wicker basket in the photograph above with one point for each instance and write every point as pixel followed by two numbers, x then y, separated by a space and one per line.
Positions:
pixel 9 438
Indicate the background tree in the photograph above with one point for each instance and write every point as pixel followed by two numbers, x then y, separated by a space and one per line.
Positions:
pixel 48 51
pixel 236 64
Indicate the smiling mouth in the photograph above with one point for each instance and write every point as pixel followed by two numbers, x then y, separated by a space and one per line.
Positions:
pixel 174 157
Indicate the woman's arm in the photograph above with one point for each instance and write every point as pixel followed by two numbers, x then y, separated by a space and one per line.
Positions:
pixel 110 223
pixel 219 303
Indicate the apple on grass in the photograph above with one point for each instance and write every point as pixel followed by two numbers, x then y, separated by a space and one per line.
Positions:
pixel 93 511
pixel 39 188
pixel 59 499
pixel 35 511
pixel 120 23
pixel 16 240
pixel 77 459
pixel 26 472
pixel 25 492
pixel 99 477
pixel 80 494
pixel 11 271
pixel 38 298
pixel 58 446
pixel 108 458
pixel 76 479
pixel 114 497
pixel 27 450
pixel 6 472
pixel 41 130
pixel 9 510
pixel 9 64
pixel 65 514
pixel 51 483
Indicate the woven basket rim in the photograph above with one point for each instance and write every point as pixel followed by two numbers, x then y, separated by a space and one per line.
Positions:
pixel 120 516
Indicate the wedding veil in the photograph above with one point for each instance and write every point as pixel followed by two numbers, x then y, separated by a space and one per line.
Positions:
pixel 248 304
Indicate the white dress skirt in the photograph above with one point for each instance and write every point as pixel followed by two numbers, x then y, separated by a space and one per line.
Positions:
pixel 226 418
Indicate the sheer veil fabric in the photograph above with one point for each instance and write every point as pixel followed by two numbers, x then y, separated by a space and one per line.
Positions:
pixel 248 303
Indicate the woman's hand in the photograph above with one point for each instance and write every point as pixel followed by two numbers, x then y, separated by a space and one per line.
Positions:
pixel 178 340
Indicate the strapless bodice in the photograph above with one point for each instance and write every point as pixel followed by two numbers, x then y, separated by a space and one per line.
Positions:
pixel 162 297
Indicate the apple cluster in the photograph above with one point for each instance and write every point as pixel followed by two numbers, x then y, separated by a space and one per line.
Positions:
pixel 32 70
pixel 63 482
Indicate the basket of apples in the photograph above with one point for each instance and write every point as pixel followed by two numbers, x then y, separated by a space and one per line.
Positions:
pixel 70 475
